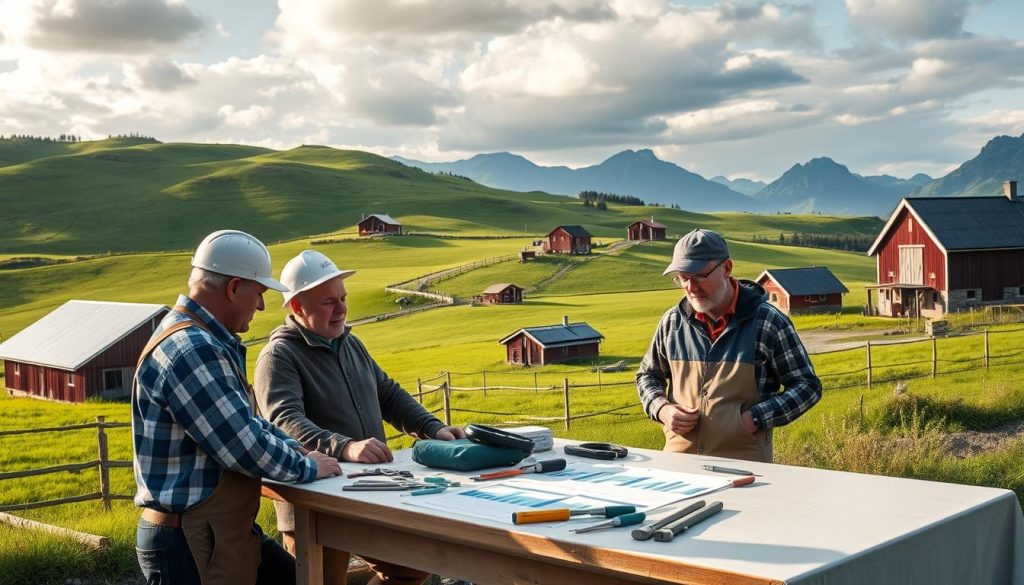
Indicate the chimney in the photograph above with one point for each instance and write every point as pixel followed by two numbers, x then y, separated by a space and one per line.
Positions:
pixel 565 320
pixel 1010 190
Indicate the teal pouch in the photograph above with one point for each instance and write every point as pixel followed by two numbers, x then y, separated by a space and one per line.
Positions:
pixel 464 455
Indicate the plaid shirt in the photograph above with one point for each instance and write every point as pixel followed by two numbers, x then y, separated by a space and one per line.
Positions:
pixel 780 361
pixel 191 419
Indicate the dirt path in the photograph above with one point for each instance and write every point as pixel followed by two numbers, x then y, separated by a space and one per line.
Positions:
pixel 821 340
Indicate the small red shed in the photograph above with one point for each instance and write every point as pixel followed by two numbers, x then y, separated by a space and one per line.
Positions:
pixel 569 239
pixel 79 350
pixel 502 294
pixel 379 224
pixel 552 344
pixel 938 255
pixel 803 290
pixel 645 229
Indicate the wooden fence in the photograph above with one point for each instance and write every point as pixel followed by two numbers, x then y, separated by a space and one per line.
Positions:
pixel 103 463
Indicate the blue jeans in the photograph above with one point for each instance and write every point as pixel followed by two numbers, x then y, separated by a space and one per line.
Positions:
pixel 165 558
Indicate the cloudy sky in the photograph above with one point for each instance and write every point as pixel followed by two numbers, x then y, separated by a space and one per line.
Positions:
pixel 743 88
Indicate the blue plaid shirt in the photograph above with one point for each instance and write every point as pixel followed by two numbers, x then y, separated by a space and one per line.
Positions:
pixel 191 419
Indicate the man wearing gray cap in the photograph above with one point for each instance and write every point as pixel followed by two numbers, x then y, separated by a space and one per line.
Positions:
pixel 316 380
pixel 734 364
pixel 199 449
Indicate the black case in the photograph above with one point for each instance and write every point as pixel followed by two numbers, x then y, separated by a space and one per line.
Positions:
pixel 486 435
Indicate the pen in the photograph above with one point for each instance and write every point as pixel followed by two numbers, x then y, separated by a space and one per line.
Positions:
pixel 718 469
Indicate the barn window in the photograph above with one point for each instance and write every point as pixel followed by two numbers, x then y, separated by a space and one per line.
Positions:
pixel 808 299
pixel 565 351
pixel 1020 291
pixel 910 225
pixel 71 380
pixel 931 275
pixel 112 379
pixel 970 294
pixel 17 369
pixel 775 298
pixel 935 297
pixel 821 298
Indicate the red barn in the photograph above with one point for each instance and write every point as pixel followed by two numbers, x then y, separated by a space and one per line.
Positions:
pixel 569 239
pixel 502 294
pixel 551 344
pixel 937 255
pixel 378 224
pixel 81 349
pixel 803 290
pixel 645 229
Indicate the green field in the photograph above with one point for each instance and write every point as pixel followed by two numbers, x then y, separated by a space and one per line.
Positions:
pixel 150 202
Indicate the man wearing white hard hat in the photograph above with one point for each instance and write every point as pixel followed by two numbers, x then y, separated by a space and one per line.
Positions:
pixel 200 451
pixel 317 381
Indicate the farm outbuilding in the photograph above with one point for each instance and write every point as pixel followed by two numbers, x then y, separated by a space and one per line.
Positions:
pixel 549 344
pixel 502 294
pixel 645 229
pixel 80 350
pixel 379 224
pixel 803 290
pixel 569 239
pixel 937 255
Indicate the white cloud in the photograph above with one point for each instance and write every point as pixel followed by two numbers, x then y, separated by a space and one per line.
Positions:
pixel 156 75
pixel 909 19
pixel 245 118
pixel 739 120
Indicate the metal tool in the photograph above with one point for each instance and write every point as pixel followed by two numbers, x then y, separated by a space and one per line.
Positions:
pixel 539 467
pixel 400 484
pixel 676 528
pixel 558 514
pixel 719 469
pixel 380 471
pixel 624 520
pixel 648 531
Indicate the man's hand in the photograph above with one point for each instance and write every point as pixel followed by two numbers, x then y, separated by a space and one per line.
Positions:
pixel 679 419
pixel 450 433
pixel 748 422
pixel 367 451
pixel 302 450
pixel 326 466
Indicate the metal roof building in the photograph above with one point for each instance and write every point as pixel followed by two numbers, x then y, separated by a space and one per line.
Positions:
pixel 551 343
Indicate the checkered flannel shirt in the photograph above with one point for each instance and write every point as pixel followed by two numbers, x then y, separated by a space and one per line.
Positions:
pixel 779 361
pixel 191 419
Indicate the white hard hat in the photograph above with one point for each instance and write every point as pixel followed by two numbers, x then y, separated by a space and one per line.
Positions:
pixel 307 270
pixel 235 253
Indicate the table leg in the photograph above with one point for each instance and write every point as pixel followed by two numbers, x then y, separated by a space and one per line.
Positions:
pixel 309 553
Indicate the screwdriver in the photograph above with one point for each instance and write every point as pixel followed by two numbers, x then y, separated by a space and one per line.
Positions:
pixel 539 467
pixel 557 514
pixel 624 520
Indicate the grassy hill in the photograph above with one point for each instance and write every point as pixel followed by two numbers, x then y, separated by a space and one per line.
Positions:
pixel 122 195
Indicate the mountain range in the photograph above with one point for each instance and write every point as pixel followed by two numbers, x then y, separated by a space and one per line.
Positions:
pixel 820 185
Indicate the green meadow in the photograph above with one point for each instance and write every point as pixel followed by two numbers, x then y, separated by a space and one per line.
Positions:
pixel 141 206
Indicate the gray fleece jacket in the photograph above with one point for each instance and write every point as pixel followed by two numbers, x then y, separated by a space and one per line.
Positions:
pixel 326 398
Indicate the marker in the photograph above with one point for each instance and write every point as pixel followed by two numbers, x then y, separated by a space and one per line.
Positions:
pixel 718 469
pixel 559 514
pixel 624 520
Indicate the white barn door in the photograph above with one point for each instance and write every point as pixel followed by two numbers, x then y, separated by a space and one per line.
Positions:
pixel 912 264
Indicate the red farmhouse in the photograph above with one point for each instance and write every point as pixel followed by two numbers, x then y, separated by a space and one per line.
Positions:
pixel 938 255
pixel 803 290
pixel 503 293
pixel 645 229
pixel 377 224
pixel 569 239
pixel 81 349
pixel 551 344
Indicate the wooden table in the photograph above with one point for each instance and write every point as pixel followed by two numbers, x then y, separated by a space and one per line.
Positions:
pixel 794 525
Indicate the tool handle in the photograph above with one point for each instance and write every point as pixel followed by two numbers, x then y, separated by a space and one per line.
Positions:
pixel 647 532
pixel 629 519
pixel 428 491
pixel 498 474
pixel 672 530
pixel 614 511
pixel 533 516
pixel 743 481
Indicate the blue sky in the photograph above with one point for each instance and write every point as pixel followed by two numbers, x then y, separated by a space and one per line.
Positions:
pixel 742 89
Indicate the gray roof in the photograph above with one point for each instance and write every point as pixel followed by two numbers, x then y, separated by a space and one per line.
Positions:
pixel 650 222
pixel 559 335
pixel 383 217
pixel 497 288
pixel 575 231
pixel 806 281
pixel 966 223
pixel 76 332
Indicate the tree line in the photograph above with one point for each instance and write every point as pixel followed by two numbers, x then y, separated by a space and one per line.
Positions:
pixel 71 137
pixel 600 200
pixel 849 242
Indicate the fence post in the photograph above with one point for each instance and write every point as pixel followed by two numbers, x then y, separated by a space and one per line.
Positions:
pixel 447 404
pixel 986 348
pixel 535 387
pixel 448 376
pixel 868 346
pixel 419 390
pixel 935 357
pixel 101 439
pixel 485 382
pixel 599 378
pixel 565 388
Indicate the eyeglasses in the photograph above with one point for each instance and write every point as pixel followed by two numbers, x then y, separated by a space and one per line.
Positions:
pixel 699 279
